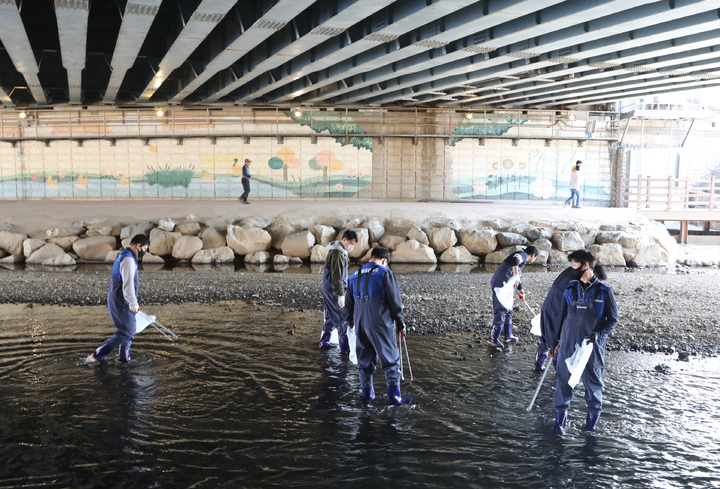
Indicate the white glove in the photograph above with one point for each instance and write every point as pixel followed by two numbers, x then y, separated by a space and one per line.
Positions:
pixel 341 301
pixel 134 308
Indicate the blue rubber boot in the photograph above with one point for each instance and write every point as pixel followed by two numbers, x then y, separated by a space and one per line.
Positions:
pixel 325 341
pixel 507 334
pixel 124 355
pixel 494 338
pixel 102 352
pixel 394 396
pixel 344 345
pixel 540 362
pixel 591 420
pixel 560 420
pixel 368 392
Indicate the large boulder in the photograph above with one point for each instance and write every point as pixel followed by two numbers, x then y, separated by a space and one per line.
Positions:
pixel 458 254
pixel 298 244
pixel 257 258
pixel 608 237
pixel 543 244
pixel 363 244
pixel 143 227
pixel 375 229
pixel 162 242
pixel 67 242
pixel 255 222
pixel 63 260
pixel 109 230
pixel 533 234
pixel 441 239
pixel 633 240
pixel 517 228
pixel 608 254
pixel 65 232
pixel 352 223
pixel 588 235
pixel 318 254
pixel 542 258
pixel 150 259
pixel 479 241
pixel 500 255
pixel 650 256
pixel 213 238
pixel 613 227
pixel 95 248
pixel 112 256
pixel 279 231
pixel 12 242
pixel 557 257
pixel 186 246
pixel 323 234
pixel 247 240
pixel 391 242
pixel 510 239
pixel 657 232
pixel 30 245
pixel 568 241
pixel 219 223
pixel 12 259
pixel 50 250
pixel 492 224
pixel 188 228
pixel 413 252
pixel 281 260
pixel 223 254
pixel 418 235
pixel 166 224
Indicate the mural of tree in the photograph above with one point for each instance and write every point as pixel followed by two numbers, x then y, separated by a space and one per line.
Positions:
pixel 285 158
pixel 326 161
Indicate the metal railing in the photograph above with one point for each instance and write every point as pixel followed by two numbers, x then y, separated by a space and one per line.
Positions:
pixel 348 122
pixel 669 193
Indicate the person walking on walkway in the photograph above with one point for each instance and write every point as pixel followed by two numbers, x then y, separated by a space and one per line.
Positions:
pixel 509 270
pixel 375 308
pixel 334 284
pixel 591 315
pixel 575 184
pixel 245 181
pixel 122 300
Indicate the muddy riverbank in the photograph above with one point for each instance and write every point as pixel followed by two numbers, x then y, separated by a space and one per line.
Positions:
pixel 658 312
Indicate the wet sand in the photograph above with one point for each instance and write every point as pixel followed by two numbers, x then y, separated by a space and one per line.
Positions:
pixel 658 312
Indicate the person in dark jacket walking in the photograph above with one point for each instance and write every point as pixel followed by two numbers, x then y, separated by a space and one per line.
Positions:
pixel 375 308
pixel 335 279
pixel 591 315
pixel 246 181
pixel 509 270
pixel 554 308
pixel 122 300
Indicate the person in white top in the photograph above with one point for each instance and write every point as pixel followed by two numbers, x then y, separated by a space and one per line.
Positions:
pixel 575 184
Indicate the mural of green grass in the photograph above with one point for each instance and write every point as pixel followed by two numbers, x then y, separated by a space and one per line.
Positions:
pixel 167 176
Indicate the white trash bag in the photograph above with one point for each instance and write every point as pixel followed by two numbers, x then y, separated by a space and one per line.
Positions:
pixel 352 341
pixel 577 362
pixel 142 321
pixel 506 293
pixel 536 326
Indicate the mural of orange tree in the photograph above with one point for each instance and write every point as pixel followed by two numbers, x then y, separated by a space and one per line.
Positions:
pixel 284 158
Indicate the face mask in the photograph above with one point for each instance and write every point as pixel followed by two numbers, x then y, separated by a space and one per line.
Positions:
pixel 141 253
pixel 576 273
pixel 349 248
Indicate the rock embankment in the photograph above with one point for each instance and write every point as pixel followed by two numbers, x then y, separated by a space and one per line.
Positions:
pixel 256 240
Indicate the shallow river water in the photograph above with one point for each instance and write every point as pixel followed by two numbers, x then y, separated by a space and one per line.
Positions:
pixel 238 401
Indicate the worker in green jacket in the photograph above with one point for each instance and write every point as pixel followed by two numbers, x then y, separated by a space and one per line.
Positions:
pixel 335 280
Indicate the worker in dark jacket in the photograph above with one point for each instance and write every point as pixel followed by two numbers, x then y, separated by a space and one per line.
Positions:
pixel 122 300
pixel 335 279
pixel 245 181
pixel 553 310
pixel 509 270
pixel 591 314
pixel 374 307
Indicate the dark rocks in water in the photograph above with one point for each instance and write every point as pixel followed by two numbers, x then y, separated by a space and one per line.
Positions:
pixel 683 356
pixel 662 368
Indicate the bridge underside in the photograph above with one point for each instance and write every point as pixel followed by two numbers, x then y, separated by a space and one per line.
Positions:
pixel 462 54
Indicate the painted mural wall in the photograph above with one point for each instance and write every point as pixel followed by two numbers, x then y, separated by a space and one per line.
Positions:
pixel 299 169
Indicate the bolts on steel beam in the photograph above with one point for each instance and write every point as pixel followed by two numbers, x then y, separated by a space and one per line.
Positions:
pixel 581 143
pixel 514 142
pixel 313 139
pixel 179 141
pixel 548 143
pixel 415 141
pixel 246 139
pixel 481 141
pixel 280 140
pixel 381 140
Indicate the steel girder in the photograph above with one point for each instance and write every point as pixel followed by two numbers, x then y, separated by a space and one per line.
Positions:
pixel 405 16
pixel 287 47
pixel 567 46
pixel 16 42
pixel 72 21
pixel 136 22
pixel 207 15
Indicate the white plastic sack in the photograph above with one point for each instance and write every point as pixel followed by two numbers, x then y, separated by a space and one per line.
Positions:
pixel 577 362
pixel 506 293
pixel 352 339
pixel 536 326
pixel 333 337
pixel 142 321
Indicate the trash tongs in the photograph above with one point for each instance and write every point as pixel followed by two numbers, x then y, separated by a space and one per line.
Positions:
pixel 166 332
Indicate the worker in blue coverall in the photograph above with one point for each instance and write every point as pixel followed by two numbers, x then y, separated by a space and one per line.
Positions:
pixel 508 270
pixel 375 308
pixel 554 307
pixel 591 314
pixel 122 300
pixel 335 279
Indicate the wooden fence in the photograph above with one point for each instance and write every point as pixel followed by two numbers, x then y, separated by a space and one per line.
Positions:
pixel 669 193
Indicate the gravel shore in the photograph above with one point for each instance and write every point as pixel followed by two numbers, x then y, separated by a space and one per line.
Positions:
pixel 659 312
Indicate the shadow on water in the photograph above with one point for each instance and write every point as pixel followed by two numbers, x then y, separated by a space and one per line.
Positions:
pixel 240 401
